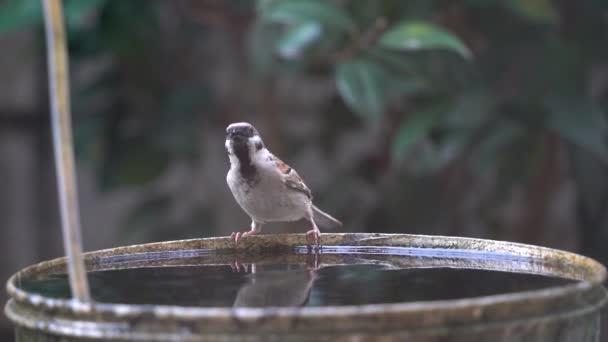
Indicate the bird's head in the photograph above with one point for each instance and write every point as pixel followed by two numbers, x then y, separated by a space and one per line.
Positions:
pixel 243 141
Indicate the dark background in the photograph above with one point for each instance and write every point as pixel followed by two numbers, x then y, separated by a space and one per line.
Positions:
pixel 481 118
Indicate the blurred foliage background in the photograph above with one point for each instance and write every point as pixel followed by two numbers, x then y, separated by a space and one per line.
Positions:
pixel 482 118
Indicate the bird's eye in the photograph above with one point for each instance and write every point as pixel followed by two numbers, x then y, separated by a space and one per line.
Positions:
pixel 258 145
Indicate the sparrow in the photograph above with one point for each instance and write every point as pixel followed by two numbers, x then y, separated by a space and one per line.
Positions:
pixel 265 187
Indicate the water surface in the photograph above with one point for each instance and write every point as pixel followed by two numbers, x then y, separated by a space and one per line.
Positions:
pixel 338 278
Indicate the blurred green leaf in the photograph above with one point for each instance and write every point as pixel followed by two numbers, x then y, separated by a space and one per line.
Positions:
pixel 76 10
pixel 489 151
pixel 436 156
pixel 18 14
pixel 581 122
pixel 297 39
pixel 177 125
pixel 296 12
pixel 127 27
pixel 415 127
pixel 483 3
pixel 470 110
pixel 261 44
pixel 420 35
pixel 538 10
pixel 400 86
pixel 87 131
pixel 394 61
pixel 135 164
pixel 364 13
pixel 362 85
pixel 263 5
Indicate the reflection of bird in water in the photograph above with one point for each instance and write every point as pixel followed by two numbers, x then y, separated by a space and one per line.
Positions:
pixel 287 287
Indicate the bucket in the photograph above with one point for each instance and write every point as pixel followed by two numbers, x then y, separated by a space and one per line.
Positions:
pixel 355 287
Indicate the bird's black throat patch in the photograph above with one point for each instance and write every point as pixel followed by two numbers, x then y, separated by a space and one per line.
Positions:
pixel 246 168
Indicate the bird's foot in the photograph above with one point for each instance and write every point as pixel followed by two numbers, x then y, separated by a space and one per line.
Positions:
pixel 241 235
pixel 314 234
pixel 237 266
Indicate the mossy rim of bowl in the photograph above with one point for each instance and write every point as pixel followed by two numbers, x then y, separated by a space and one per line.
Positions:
pixel 61 316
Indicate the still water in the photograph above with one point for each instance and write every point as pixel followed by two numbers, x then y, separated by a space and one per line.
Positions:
pixel 339 277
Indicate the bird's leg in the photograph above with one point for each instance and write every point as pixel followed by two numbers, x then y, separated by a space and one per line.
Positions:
pixel 236 266
pixel 315 233
pixel 312 265
pixel 256 227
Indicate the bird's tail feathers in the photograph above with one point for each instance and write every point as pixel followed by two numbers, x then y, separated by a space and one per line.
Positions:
pixel 324 220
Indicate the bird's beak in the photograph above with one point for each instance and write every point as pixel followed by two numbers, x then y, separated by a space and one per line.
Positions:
pixel 236 135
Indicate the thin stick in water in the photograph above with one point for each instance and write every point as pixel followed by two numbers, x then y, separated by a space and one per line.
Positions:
pixel 63 146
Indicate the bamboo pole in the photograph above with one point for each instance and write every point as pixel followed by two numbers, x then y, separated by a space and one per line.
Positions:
pixel 63 146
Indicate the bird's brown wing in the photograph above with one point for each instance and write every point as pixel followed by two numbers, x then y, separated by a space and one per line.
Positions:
pixel 291 179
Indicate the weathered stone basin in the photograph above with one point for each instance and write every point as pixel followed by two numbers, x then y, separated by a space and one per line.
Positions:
pixel 356 287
